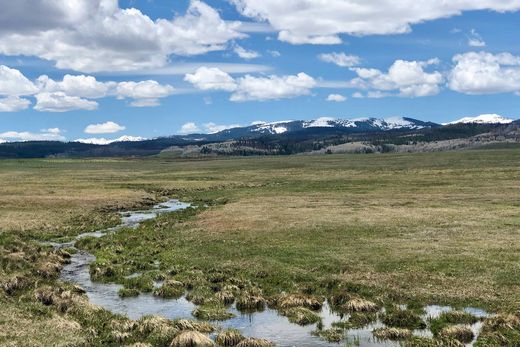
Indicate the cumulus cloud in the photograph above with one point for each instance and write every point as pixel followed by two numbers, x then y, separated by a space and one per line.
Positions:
pixel 73 92
pixel 323 21
pixel 485 73
pixel 245 54
pixel 206 128
pixel 249 88
pixel 336 98
pixel 273 87
pixel 404 78
pixel 98 35
pixel 14 83
pixel 81 86
pixel 54 134
pixel 14 104
pixel 340 59
pixel 61 102
pixel 189 128
pixel 104 128
pixel 211 79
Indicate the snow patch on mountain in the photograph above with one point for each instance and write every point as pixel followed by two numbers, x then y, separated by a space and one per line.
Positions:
pixel 483 119
pixel 103 141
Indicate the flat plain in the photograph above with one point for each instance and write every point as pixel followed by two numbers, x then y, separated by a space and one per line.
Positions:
pixel 417 229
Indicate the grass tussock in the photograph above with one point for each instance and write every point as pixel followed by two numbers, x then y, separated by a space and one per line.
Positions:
pixel 301 315
pixel 192 339
pixel 253 342
pixel 360 305
pixel 500 330
pixel 203 327
pixel 392 334
pixel 299 300
pixel 333 334
pixel 225 297
pixel 460 333
pixel 170 289
pixel 357 320
pixel 229 338
pixel 399 318
pixel 212 312
pixel 416 341
pixel 449 318
pixel 249 302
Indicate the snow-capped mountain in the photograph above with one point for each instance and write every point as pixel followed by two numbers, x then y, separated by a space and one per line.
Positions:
pixel 356 125
pixel 483 119
pixel 103 141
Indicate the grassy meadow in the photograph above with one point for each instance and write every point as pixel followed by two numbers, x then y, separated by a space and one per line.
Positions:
pixel 429 228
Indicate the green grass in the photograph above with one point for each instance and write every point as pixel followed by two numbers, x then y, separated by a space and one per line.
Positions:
pixel 394 228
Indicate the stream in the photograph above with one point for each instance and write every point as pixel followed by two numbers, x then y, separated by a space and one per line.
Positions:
pixel 267 324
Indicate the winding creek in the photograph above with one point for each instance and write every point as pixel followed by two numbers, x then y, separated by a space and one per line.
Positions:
pixel 267 324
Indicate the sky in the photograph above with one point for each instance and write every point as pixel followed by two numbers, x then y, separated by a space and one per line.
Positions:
pixel 107 69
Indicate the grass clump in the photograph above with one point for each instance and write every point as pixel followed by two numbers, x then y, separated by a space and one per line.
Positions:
pixel 212 312
pixel 225 297
pixel 330 335
pixel 399 318
pixel 500 330
pixel 185 324
pixel 252 342
pixel 229 338
pixel 170 289
pixel 451 317
pixel 301 316
pixel 128 292
pixel 460 333
pixel 392 333
pixel 299 300
pixel 248 302
pixel 416 341
pixel 192 339
pixel 157 330
pixel 360 305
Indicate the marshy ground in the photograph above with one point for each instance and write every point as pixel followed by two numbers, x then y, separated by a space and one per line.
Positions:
pixel 364 231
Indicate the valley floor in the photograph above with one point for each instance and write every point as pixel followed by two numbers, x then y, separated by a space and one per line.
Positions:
pixel 425 228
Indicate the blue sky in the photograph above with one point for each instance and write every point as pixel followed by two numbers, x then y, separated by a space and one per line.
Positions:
pixel 438 63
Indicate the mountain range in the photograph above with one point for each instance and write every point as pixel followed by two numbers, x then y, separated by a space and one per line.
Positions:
pixel 284 137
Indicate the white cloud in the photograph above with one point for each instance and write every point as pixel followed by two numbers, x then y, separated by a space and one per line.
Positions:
pixel 104 128
pixel 104 141
pixel 404 78
pixel 81 86
pixel 275 54
pixel 340 59
pixel 13 104
pixel 14 83
pixel 143 90
pixel 252 88
pixel 485 73
pixel 244 53
pixel 61 102
pixel 46 135
pixel 206 128
pixel 144 93
pixel 323 21
pixel 211 79
pixel 189 128
pixel 475 40
pixel 97 35
pixel 272 87
pixel 212 128
pixel 336 98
